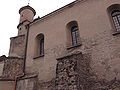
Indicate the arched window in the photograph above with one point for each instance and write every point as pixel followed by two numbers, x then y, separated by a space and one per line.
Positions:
pixel 73 32
pixel 116 19
pixel 40 45
pixel 114 13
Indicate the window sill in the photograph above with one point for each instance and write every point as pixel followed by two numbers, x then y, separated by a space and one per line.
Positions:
pixel 116 33
pixel 70 47
pixel 38 56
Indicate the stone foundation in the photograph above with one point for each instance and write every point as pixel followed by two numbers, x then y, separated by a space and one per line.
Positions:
pixel 67 77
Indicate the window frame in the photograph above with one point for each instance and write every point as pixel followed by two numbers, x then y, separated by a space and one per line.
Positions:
pixel 111 9
pixel 75 36
pixel 116 19
pixel 39 46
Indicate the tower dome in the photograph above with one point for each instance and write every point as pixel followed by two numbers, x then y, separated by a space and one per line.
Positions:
pixel 26 13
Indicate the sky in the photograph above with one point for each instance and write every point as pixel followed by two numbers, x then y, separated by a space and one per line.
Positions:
pixel 9 17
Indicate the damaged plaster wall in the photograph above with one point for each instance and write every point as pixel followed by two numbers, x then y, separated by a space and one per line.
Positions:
pixel 27 84
pixel 99 47
pixel 1 68
pixel 13 66
pixel 74 73
pixel 95 34
pixel 67 76
pixel 17 46
pixel 104 50
pixel 7 85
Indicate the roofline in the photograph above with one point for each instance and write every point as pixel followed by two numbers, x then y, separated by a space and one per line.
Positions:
pixel 22 23
pixel 58 10
pixel 27 7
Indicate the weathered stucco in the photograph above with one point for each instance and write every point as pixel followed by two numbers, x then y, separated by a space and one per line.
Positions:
pixel 7 85
pixel 94 64
pixel 27 84
pixel 17 46
pixel 74 73
pixel 95 31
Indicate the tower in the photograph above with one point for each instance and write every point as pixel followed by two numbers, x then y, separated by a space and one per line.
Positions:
pixel 18 43
pixel 27 14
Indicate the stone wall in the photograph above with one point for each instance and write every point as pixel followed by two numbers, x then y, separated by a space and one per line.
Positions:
pixel 66 73
pixel 1 68
pixel 74 73
pixel 13 66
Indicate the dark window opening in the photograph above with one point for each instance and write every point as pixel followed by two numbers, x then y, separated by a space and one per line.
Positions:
pixel 20 29
pixel 42 46
pixel 75 36
pixel 39 48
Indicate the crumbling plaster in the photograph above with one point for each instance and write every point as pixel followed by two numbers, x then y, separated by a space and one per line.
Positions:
pixel 96 38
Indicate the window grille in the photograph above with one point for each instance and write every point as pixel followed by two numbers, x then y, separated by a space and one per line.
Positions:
pixel 116 19
pixel 75 36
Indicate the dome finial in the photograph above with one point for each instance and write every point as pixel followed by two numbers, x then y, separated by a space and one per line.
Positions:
pixel 28 2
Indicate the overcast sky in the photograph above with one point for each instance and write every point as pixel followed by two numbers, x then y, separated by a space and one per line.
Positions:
pixel 9 17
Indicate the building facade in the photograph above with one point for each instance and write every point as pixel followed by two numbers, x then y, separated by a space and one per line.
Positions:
pixel 76 47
